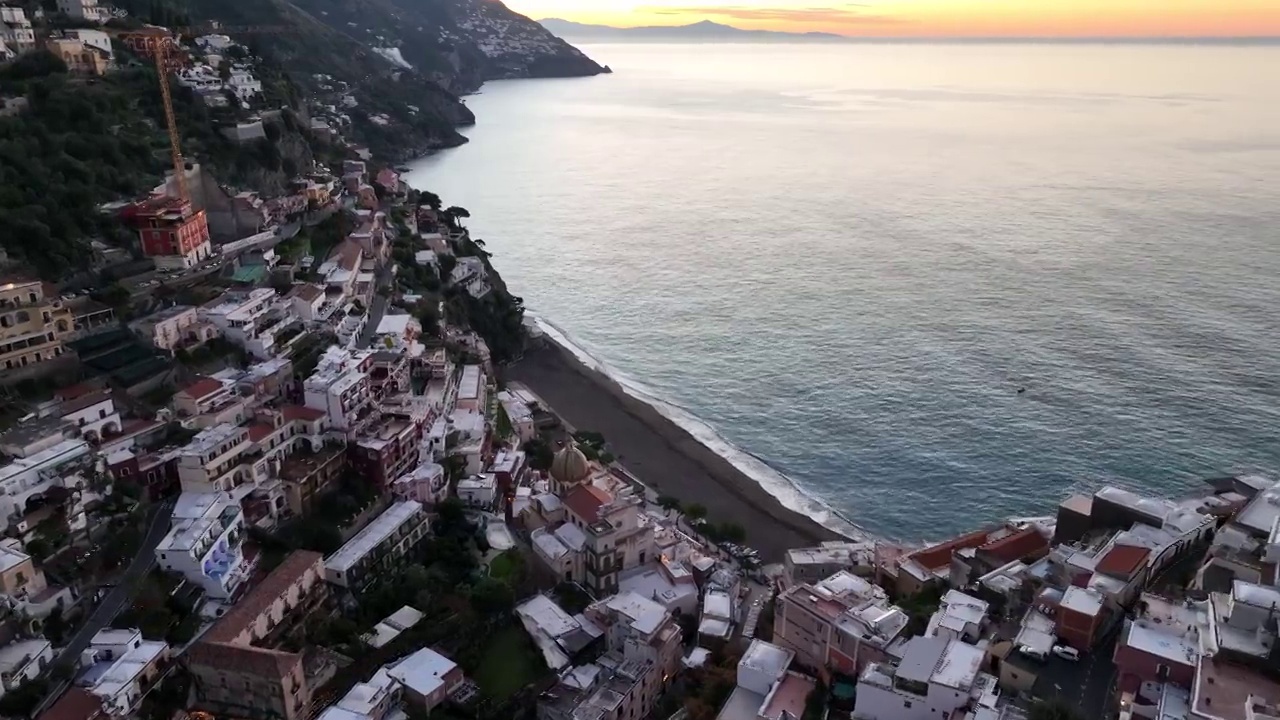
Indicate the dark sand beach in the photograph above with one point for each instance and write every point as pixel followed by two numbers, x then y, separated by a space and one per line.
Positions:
pixel 662 454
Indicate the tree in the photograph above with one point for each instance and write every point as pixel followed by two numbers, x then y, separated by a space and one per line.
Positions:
pixel 539 453
pixel 669 502
pixel 492 597
pixel 696 511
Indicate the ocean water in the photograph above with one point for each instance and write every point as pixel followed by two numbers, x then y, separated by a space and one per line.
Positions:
pixel 913 287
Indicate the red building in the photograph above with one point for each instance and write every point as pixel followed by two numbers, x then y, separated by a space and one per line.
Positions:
pixel 1150 653
pixel 155 473
pixel 1080 617
pixel 387 451
pixel 173 233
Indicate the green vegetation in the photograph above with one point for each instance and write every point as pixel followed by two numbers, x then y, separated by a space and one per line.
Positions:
pixel 539 453
pixel 78 145
pixel 669 502
pixel 919 608
pixel 506 565
pixel 510 663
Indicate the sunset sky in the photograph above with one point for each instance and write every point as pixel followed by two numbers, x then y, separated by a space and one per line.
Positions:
pixel 899 18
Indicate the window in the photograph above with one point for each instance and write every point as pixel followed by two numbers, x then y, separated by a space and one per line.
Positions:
pixel 906 704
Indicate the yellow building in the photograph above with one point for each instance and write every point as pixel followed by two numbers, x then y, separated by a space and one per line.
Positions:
pixel 80 58
pixel 32 323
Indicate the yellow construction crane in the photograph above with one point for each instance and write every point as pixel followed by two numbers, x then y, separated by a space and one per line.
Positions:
pixel 161 49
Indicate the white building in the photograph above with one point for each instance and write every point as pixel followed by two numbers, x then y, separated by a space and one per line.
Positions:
pixel 426 484
pixel 205 544
pixel 94 414
pixel 23 660
pixel 214 43
pixel 93 38
pixel 670 584
pixel 341 388
pixel 211 461
pixel 558 634
pixel 382 544
pixel 470 274
pixel 243 83
pixel 766 688
pixel 16 30
pixel 478 491
pixel 43 458
pixel 518 414
pixel 86 10
pixel 959 617
pixel 471 389
pixel 935 678
pixel 243 318
pixel 121 669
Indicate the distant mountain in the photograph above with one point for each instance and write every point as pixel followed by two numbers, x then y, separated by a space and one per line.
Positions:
pixel 705 31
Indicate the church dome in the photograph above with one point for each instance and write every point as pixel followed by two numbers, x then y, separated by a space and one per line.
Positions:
pixel 570 466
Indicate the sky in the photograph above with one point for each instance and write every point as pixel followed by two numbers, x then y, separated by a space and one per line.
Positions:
pixel 937 18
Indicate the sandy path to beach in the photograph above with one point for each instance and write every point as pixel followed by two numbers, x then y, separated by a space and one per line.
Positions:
pixel 663 455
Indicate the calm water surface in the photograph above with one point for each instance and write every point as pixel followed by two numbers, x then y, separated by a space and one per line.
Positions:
pixel 847 260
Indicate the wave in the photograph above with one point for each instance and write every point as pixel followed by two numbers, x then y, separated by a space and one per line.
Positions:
pixel 777 484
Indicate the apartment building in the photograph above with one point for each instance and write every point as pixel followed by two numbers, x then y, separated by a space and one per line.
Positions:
pixel 611 688
pixel 341 388
pixel 645 634
pixel 935 678
pixel 815 564
pixel 79 57
pixel 93 413
pixel 212 460
pixel 23 585
pixel 173 233
pixel 205 544
pixel 472 389
pixel 175 328
pixel 45 454
pixel 23 661
pixel 208 397
pixel 249 319
pixel 16 30
pixel 766 688
pixel 33 321
pixel 85 10
pixel 383 543
pixel 519 416
pixel 426 484
pixel 387 450
pixel 307 475
pixel 234 667
pixel 121 668
pixel 839 625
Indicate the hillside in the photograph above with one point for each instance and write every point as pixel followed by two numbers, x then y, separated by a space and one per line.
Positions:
pixel 705 31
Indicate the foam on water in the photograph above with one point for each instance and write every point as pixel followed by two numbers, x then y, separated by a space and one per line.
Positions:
pixel 781 487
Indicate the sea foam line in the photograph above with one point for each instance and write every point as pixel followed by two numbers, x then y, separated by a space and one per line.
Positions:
pixel 777 484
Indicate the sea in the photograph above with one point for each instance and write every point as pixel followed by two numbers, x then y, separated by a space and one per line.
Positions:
pixel 910 288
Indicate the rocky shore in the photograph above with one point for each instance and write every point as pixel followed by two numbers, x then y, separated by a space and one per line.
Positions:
pixel 662 454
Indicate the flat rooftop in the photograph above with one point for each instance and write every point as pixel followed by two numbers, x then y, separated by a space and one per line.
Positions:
pixel 373 535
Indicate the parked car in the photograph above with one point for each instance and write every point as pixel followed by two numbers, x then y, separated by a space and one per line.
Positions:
pixel 1032 652
pixel 1066 653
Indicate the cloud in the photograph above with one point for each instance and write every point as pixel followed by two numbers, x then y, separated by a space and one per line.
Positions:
pixel 843 14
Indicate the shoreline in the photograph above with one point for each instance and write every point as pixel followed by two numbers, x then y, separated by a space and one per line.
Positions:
pixel 663 455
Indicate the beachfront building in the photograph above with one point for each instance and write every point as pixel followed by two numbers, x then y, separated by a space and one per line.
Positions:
pixel 935 678
pixel 608 537
pixel 766 687
pixel 815 564
pixel 841 624
pixel 382 544
pixel 519 416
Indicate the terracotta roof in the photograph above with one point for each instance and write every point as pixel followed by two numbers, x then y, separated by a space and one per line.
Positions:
pixel 71 392
pixel 202 388
pixel 80 402
pixel 301 412
pixel 937 556
pixel 1122 561
pixel 586 500
pixel 258 431
pixel 243 613
pixel 75 704
pixel 347 255
pixel 1016 546
pixel 243 659
pixel 308 293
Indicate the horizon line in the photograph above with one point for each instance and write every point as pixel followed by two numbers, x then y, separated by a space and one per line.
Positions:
pixel 926 38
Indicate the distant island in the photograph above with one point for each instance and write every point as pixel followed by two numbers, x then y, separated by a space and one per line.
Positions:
pixel 705 31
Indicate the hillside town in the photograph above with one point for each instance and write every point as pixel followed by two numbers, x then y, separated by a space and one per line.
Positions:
pixel 264 463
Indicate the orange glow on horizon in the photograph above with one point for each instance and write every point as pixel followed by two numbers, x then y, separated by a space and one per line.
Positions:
pixel 937 18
